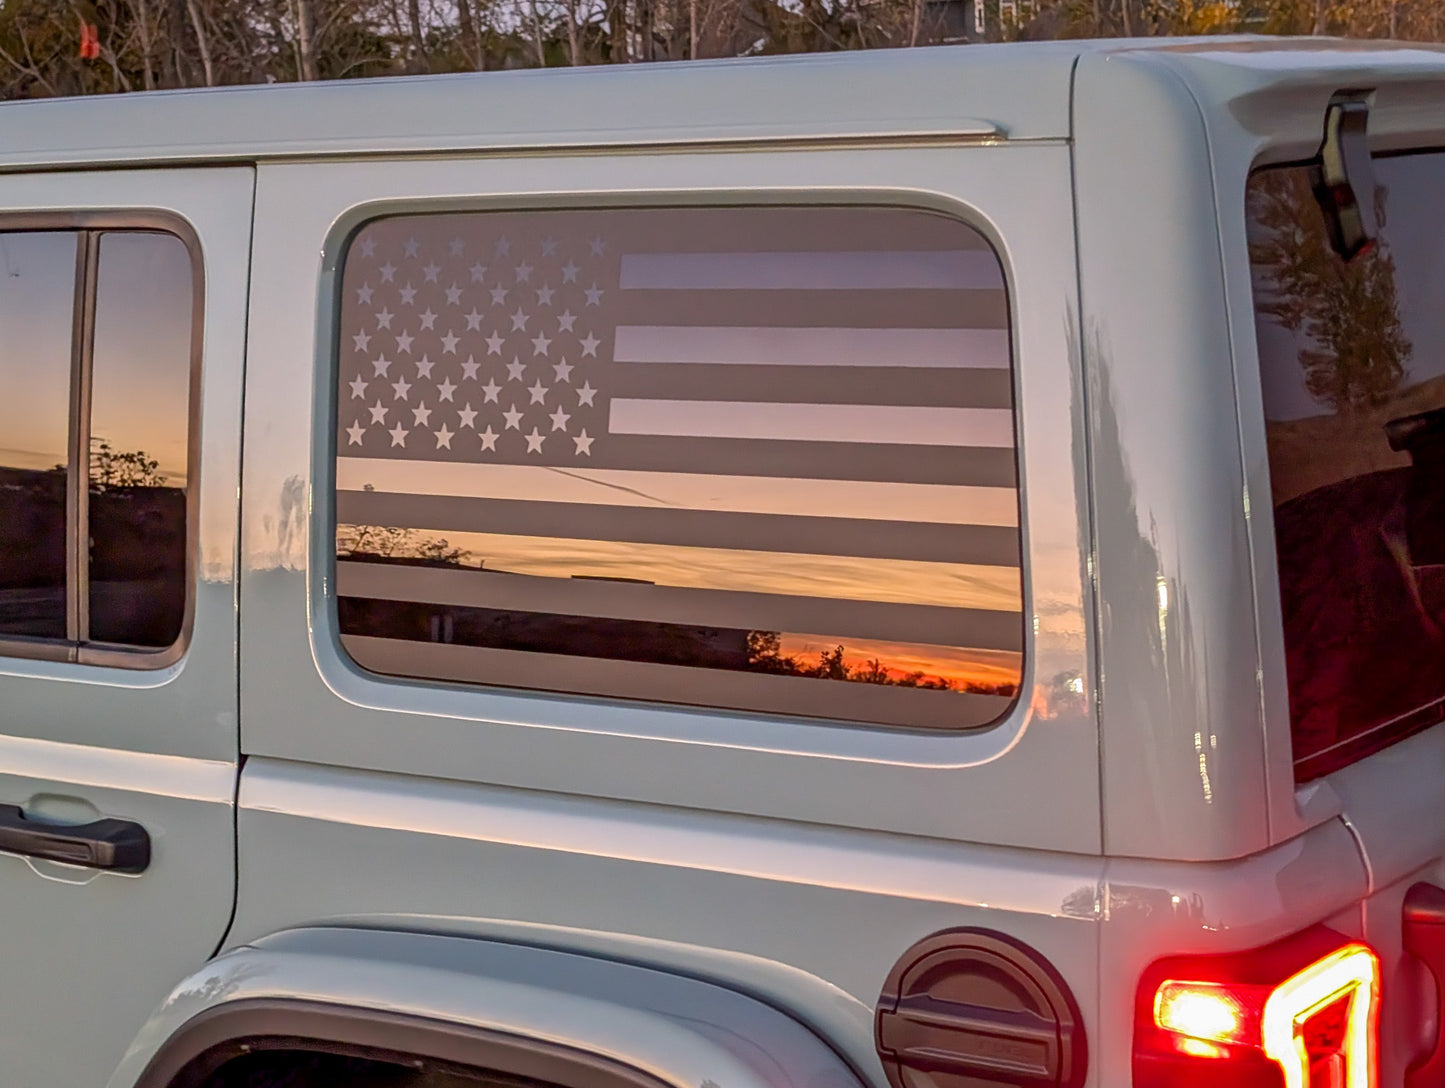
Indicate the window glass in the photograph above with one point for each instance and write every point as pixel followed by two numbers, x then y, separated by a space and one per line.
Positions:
pixel 1352 359
pixel 759 459
pixel 139 425
pixel 37 305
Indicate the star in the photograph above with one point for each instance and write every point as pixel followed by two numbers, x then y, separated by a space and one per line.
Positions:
pixel 383 319
pixel 423 367
pixel 503 246
pixel 585 395
pixel 489 438
pixel 432 271
pixel 519 320
pixel 354 432
pixel 474 321
pixel 559 419
pixel 358 387
pixel 408 295
pixel 361 339
pixel 428 319
pixel 363 294
pixel 563 370
pixel 584 444
pixel 421 415
pixel 456 245
pixel 469 417
pixel 499 296
pixel 544 295
pixel 490 391
pixel 594 295
pixel 524 272
pixel 540 343
pixel 589 345
pixel 388 271
pixel 412 247
pixel 444 438
pixel 469 369
pixel 446 389
pixel 479 272
pixel 494 344
pixel 449 343
pixel 514 369
pixel 398 435
pixel 597 246
pixel 539 392
pixel 403 341
pixel 402 388
pixel 565 320
pixel 378 412
pixel 379 364
pixel 368 247
pixel 569 272
pixel 513 418
pixel 549 246
pixel 454 295
pixel 534 441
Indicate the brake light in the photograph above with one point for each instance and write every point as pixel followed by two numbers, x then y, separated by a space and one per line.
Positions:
pixel 1301 1014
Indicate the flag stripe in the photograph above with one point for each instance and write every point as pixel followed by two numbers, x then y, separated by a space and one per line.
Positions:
pixel 874 385
pixel 773 230
pixel 856 270
pixel 844 423
pixel 794 346
pixel 980 545
pixel 803 697
pixel 926 624
pixel 984 309
pixel 683 491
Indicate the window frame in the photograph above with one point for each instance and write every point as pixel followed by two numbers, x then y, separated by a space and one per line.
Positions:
pixel 88 228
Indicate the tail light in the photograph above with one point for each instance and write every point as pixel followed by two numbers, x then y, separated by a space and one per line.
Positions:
pixel 1303 1013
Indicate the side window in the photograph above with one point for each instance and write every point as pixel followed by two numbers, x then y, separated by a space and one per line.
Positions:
pixel 96 351
pixel 760 459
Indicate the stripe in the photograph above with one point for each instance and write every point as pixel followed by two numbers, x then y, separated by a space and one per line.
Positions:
pixel 774 229
pixel 789 695
pixel 855 270
pixel 791 346
pixel 872 620
pixel 843 423
pixel 683 491
pixel 835 577
pixel 986 309
pixel 982 545
pixel 801 385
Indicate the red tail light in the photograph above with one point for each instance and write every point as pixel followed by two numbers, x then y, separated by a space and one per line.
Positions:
pixel 1300 1014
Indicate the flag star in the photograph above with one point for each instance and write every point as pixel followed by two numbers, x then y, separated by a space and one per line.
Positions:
pixel 503 246
pixel 454 295
pixel 597 246
pixel 524 272
pixel 565 321
pixel 535 440
pixel 361 339
pixel 358 387
pixel 494 343
pixel 519 320
pixel 538 391
pixel 489 438
pixel 388 271
pixel 549 246
pixel 428 319
pixel 368 247
pixel 514 369
pixel 354 432
pixel 559 419
pixel 423 367
pixel 444 438
pixel 378 412
pixel 585 395
pixel 594 295
pixel 431 272
pixel 403 341
pixel 398 435
pixel 563 370
pixel 421 415
pixel 402 387
pixel 490 391
pixel 479 272
pixel 446 389
pixel 469 417
pixel 474 321
pixel 383 319
pixel 408 295
pixel 589 345
pixel 540 343
pixel 544 295
pixel 513 418
pixel 363 294
pixel 499 295
pixel 449 343
pixel 380 364
pixel 412 247
pixel 569 272
pixel 584 443
pixel 456 245
pixel 470 368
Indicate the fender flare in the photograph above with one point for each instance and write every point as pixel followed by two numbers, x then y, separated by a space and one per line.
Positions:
pixel 569 1019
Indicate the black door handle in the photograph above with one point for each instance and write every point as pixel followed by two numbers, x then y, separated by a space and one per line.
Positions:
pixel 118 845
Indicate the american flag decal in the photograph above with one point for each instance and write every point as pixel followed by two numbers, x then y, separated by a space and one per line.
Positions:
pixel 760 459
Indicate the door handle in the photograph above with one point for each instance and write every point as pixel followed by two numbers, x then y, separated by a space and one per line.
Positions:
pixel 1424 938
pixel 121 846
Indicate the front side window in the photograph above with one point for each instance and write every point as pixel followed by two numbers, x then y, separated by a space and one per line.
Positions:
pixel 1352 358
pixel 755 459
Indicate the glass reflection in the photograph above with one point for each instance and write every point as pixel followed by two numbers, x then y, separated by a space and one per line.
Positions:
pixel 37 300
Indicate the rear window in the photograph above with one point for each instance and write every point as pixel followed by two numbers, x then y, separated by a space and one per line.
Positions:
pixel 1352 358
